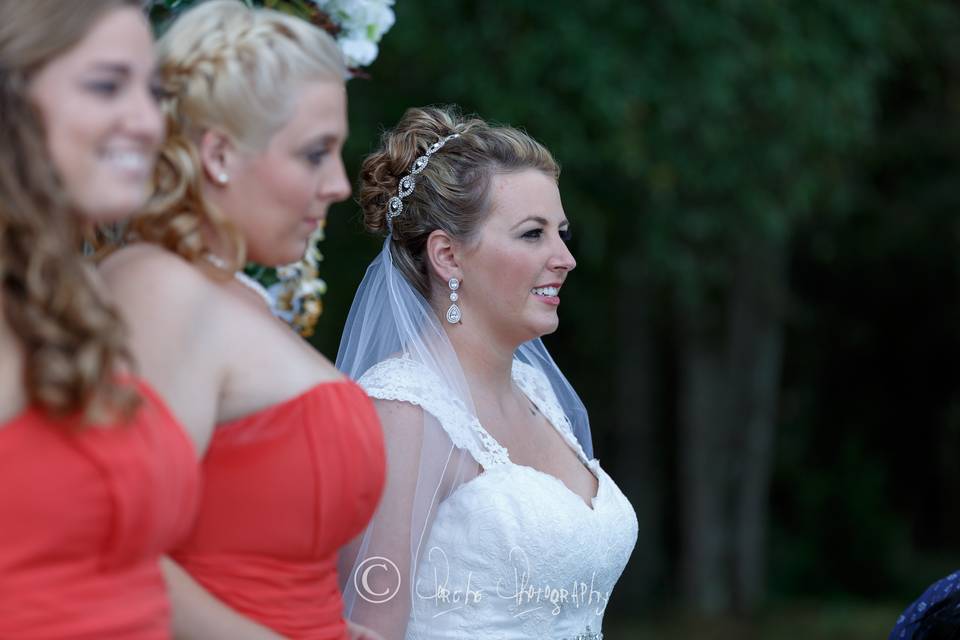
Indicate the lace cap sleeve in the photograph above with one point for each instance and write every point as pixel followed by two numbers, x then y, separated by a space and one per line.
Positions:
pixel 406 380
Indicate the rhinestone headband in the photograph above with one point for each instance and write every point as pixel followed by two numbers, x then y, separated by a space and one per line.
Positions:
pixel 408 182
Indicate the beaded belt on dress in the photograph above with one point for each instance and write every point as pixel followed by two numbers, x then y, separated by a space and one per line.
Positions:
pixel 588 635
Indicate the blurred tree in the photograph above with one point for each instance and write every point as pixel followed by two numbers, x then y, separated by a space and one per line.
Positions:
pixel 696 137
pixel 753 117
pixel 704 145
pixel 870 405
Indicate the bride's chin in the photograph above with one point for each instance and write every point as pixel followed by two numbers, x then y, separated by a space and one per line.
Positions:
pixel 537 331
pixel 548 328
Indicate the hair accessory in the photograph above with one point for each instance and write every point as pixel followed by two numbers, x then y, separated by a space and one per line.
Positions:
pixel 356 26
pixel 453 313
pixel 408 182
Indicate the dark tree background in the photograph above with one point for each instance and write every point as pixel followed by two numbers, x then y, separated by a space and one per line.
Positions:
pixel 765 319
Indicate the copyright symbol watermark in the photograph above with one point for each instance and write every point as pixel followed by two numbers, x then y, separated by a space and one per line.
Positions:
pixel 384 573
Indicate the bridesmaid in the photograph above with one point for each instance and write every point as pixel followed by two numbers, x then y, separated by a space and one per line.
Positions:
pixel 97 479
pixel 256 108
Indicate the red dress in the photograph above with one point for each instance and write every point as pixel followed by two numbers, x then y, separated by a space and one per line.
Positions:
pixel 84 517
pixel 284 489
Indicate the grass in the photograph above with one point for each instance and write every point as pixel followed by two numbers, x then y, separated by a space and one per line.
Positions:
pixel 808 621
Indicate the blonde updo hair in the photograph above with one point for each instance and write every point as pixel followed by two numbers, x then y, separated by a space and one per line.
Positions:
pixel 236 69
pixel 452 193
pixel 73 340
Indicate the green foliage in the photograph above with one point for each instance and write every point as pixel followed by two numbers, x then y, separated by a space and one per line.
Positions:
pixel 691 131
pixel 688 129
pixel 872 368
pixel 161 12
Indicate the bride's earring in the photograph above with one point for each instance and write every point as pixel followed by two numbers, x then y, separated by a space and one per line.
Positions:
pixel 453 313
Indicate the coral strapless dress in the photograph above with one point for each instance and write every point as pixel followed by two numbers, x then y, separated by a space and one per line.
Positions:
pixel 85 515
pixel 284 489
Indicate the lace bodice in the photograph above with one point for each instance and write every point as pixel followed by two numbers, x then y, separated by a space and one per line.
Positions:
pixel 513 553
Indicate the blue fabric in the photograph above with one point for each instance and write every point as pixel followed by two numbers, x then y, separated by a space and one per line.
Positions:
pixel 914 614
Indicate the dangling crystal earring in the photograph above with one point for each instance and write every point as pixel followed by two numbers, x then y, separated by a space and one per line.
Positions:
pixel 453 313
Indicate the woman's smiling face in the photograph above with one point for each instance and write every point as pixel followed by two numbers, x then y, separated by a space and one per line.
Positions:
pixel 514 268
pixel 103 126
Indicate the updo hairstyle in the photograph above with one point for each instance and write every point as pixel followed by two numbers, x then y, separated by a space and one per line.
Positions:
pixel 452 192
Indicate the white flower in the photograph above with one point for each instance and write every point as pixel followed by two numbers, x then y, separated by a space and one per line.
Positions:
pixel 363 23
pixel 312 287
pixel 358 53
pixel 379 19
pixel 289 271
pixel 314 256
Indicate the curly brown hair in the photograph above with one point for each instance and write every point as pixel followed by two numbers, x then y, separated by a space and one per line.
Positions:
pixel 72 338
pixel 452 192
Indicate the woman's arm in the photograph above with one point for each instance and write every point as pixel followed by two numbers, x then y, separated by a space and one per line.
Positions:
pixel 358 632
pixel 197 615
pixel 170 312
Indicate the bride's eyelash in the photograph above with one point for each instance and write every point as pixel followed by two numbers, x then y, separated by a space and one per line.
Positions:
pixel 535 234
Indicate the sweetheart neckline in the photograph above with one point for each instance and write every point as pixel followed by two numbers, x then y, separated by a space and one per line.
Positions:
pixel 323 385
pixel 593 466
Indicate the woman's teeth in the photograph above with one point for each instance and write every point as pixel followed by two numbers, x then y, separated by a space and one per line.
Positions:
pixel 545 291
pixel 134 161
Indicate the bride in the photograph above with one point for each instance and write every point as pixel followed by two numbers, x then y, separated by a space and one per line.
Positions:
pixel 497 522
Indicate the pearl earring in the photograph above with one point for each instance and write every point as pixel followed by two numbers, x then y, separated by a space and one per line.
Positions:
pixel 453 313
pixel 223 178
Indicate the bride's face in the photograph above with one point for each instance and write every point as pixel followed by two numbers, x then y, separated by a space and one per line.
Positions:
pixel 513 271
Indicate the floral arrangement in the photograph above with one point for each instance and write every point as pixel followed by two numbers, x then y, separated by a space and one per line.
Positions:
pixel 296 290
pixel 362 23
pixel 357 25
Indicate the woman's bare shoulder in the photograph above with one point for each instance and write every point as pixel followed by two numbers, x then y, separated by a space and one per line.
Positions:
pixel 140 261
pixel 146 274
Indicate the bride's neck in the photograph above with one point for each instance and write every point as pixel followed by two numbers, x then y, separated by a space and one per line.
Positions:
pixel 486 365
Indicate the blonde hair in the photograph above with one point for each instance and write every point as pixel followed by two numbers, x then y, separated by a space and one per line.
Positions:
pixel 236 69
pixel 452 192
pixel 73 340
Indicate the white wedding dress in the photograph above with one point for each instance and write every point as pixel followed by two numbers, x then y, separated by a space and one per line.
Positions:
pixel 513 553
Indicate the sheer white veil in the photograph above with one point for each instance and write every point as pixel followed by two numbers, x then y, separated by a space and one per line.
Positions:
pixel 389 318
